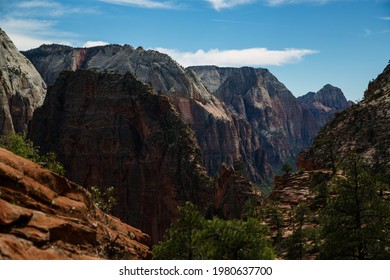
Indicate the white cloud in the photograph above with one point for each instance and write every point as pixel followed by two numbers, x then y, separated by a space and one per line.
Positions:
pixel 153 4
pixel 31 33
pixel 237 58
pixel 90 44
pixel 385 18
pixel 224 4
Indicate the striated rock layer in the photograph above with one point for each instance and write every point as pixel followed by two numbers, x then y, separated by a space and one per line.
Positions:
pixel 236 113
pixel 22 89
pixel 111 130
pixel 45 216
pixel 275 126
pixel 214 125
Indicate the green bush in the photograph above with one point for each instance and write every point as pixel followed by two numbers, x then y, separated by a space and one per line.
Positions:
pixel 194 237
pixel 21 146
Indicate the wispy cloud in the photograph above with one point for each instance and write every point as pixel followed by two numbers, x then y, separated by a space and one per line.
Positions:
pixel 23 21
pixel 90 44
pixel 385 18
pixel 151 4
pixel 237 58
pixel 30 33
pixel 225 4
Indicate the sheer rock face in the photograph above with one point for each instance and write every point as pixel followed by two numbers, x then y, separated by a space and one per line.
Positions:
pixel 236 113
pixel 325 103
pixel 276 125
pixel 362 128
pixel 111 130
pixel 22 89
pixel 213 123
pixel 45 216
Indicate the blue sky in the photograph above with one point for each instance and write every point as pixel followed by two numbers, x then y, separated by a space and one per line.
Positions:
pixel 304 43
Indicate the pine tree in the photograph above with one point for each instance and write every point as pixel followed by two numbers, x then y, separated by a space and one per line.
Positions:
pixel 355 221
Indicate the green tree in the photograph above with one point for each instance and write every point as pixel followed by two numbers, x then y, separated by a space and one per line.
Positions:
pixel 355 221
pixel 182 238
pixel 104 199
pixel 194 237
pixel 235 240
pixel 296 243
pixel 21 146
pixel 286 168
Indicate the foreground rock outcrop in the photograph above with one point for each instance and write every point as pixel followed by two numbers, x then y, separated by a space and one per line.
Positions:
pixel 45 216
pixel 22 89
pixel 109 129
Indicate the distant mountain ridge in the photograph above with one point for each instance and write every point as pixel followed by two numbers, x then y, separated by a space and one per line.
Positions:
pixel 325 103
pixel 236 113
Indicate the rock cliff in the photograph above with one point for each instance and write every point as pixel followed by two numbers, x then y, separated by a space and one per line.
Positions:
pixel 214 125
pixel 234 192
pixel 45 216
pixel 109 129
pixel 363 129
pixel 236 113
pixel 275 126
pixel 22 89
pixel 325 103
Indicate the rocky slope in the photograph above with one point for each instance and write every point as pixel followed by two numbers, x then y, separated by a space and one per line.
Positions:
pixel 45 216
pixel 325 103
pixel 363 128
pixel 22 89
pixel 109 129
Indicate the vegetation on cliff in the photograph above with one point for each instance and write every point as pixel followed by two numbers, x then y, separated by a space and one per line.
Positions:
pixel 21 146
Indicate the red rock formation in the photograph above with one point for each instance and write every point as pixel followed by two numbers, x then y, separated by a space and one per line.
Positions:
pixel 111 130
pixel 45 216
pixel 232 193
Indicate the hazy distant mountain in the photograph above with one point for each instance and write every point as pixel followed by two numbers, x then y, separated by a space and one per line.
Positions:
pixel 325 103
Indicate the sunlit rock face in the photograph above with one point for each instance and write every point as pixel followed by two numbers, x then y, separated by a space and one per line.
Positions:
pixel 44 216
pixel 22 89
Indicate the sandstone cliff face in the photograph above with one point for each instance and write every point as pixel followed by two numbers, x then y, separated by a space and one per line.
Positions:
pixel 363 128
pixel 325 103
pixel 233 192
pixel 111 130
pixel 241 113
pixel 22 89
pixel 45 216
pixel 275 125
pixel 214 125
